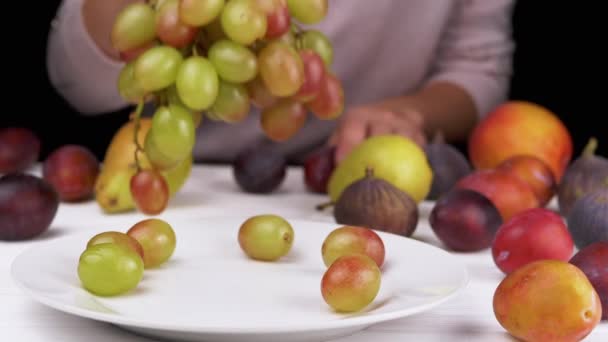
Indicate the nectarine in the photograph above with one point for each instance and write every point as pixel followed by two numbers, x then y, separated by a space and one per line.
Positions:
pixel 520 127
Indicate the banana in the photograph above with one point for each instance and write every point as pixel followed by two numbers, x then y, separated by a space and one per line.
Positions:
pixel 112 187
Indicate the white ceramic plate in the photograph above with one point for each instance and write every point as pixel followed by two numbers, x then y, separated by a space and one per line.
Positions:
pixel 209 291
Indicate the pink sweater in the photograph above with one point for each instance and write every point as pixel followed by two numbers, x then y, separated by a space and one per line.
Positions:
pixel 383 48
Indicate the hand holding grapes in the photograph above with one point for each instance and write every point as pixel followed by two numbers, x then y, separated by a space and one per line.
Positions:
pixel 219 58
pixel 362 122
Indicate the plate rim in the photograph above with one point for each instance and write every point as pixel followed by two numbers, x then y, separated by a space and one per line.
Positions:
pixel 349 321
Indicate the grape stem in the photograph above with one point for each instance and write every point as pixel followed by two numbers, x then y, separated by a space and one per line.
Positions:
pixel 137 118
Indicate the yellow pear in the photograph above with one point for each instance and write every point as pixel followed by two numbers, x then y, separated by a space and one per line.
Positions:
pixel 112 190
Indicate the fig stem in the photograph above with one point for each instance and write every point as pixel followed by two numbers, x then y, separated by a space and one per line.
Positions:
pixel 323 206
pixel 590 147
pixel 369 171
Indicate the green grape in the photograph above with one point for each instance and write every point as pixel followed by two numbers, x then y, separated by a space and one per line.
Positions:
pixel 318 42
pixel 157 68
pixel 174 99
pixel 157 239
pixel 232 103
pixel 281 68
pixel 283 120
pixel 133 27
pixel 266 237
pixel 159 160
pixel 308 11
pixel 197 83
pixel 108 269
pixel 233 62
pixel 243 22
pixel 128 86
pixel 200 12
pixel 173 132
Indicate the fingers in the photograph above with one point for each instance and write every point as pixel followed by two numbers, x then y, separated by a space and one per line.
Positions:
pixel 349 134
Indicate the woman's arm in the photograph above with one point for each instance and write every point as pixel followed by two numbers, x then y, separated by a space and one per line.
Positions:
pixel 82 65
pixel 470 76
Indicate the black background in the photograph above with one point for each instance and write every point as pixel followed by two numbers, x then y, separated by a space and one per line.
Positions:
pixel 556 60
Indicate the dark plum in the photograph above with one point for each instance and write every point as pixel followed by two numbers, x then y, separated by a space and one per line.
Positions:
pixel 28 205
pixel 588 218
pixel 72 170
pixel 593 261
pixel 448 165
pixel 465 220
pixel 19 149
pixel 318 167
pixel 260 169
pixel 586 173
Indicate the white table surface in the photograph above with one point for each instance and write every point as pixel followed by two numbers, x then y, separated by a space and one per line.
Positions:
pixel 211 191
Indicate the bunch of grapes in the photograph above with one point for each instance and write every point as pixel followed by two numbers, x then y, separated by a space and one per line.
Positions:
pixel 218 58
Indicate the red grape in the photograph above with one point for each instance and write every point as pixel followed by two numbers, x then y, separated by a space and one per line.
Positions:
pixel 278 19
pixel 329 102
pixel 150 191
pixel 283 120
pixel 170 29
pixel 314 74
pixel 259 94
pixel 281 68
pixel 117 238
pixel 157 238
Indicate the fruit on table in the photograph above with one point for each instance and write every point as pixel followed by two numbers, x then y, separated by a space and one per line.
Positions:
pixel 28 205
pixel 533 172
pixel 347 240
pixel 118 238
pixel 588 218
pixel 531 235
pixel 448 164
pixel 396 159
pixel 19 149
pixel 509 194
pixel 375 203
pixel 266 237
pixel 519 127
pixel 318 167
pixel 351 283
pixel 465 220
pixel 593 261
pixel 259 169
pixel 157 238
pixel 109 269
pixel 112 188
pixel 72 170
pixel 547 300
pixel 150 192
pixel 588 172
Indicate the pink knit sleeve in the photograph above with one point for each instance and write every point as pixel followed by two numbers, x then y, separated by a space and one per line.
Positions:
pixel 476 51
pixel 80 72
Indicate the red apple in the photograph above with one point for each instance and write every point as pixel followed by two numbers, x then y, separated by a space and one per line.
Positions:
pixel 519 127
pixel 508 193
pixel 529 236
pixel 533 172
